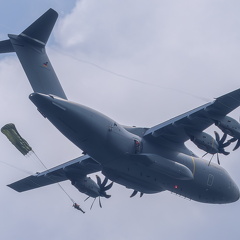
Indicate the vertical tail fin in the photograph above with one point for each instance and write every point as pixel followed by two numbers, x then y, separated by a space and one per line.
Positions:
pixel 30 49
pixel 40 30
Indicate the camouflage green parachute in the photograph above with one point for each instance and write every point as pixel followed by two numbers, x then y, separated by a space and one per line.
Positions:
pixel 15 138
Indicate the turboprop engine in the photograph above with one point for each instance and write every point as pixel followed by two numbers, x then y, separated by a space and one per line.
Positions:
pixel 92 189
pixel 231 127
pixel 210 145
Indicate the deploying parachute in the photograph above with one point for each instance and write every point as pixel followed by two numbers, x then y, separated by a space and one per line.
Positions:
pixel 10 131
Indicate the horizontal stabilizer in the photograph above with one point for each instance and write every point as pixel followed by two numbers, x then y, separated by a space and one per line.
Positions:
pixel 40 30
pixel 6 46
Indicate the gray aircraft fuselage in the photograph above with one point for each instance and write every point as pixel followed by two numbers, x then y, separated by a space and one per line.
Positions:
pixel 114 148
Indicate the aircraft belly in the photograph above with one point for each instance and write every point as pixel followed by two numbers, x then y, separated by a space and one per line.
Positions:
pixel 147 173
pixel 149 179
pixel 142 181
pixel 145 179
pixel 134 175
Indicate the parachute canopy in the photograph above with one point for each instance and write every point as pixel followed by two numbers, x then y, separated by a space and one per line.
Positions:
pixel 10 131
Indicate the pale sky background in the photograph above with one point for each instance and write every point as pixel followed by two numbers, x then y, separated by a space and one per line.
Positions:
pixel 172 46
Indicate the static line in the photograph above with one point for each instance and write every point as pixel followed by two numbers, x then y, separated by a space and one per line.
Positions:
pixel 129 78
pixel 52 179
pixel 12 166
pixel 123 76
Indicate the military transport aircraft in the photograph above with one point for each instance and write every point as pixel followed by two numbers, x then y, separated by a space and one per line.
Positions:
pixel 146 160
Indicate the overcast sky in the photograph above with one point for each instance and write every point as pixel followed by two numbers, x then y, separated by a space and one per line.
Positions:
pixel 175 55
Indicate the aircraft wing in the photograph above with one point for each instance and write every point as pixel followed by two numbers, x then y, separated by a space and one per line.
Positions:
pixel 179 129
pixel 77 167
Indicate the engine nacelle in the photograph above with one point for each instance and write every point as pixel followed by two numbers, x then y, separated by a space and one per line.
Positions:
pixel 229 126
pixel 87 185
pixel 205 142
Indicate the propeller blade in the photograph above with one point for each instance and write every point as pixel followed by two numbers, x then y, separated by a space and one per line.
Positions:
pixel 226 144
pixel 217 137
pixel 218 159
pixel 92 203
pixel 104 182
pixel 223 139
pixel 210 160
pixel 222 145
pixel 237 145
pixel 225 153
pixel 100 204
pixel 134 193
pixel 141 194
pixel 107 196
pixel 86 198
pixel 232 140
pixel 103 188
pixel 108 186
pixel 98 180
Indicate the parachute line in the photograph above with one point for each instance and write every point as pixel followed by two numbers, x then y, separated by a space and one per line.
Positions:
pixel 39 160
pixel 10 131
pixel 12 166
pixel 52 179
